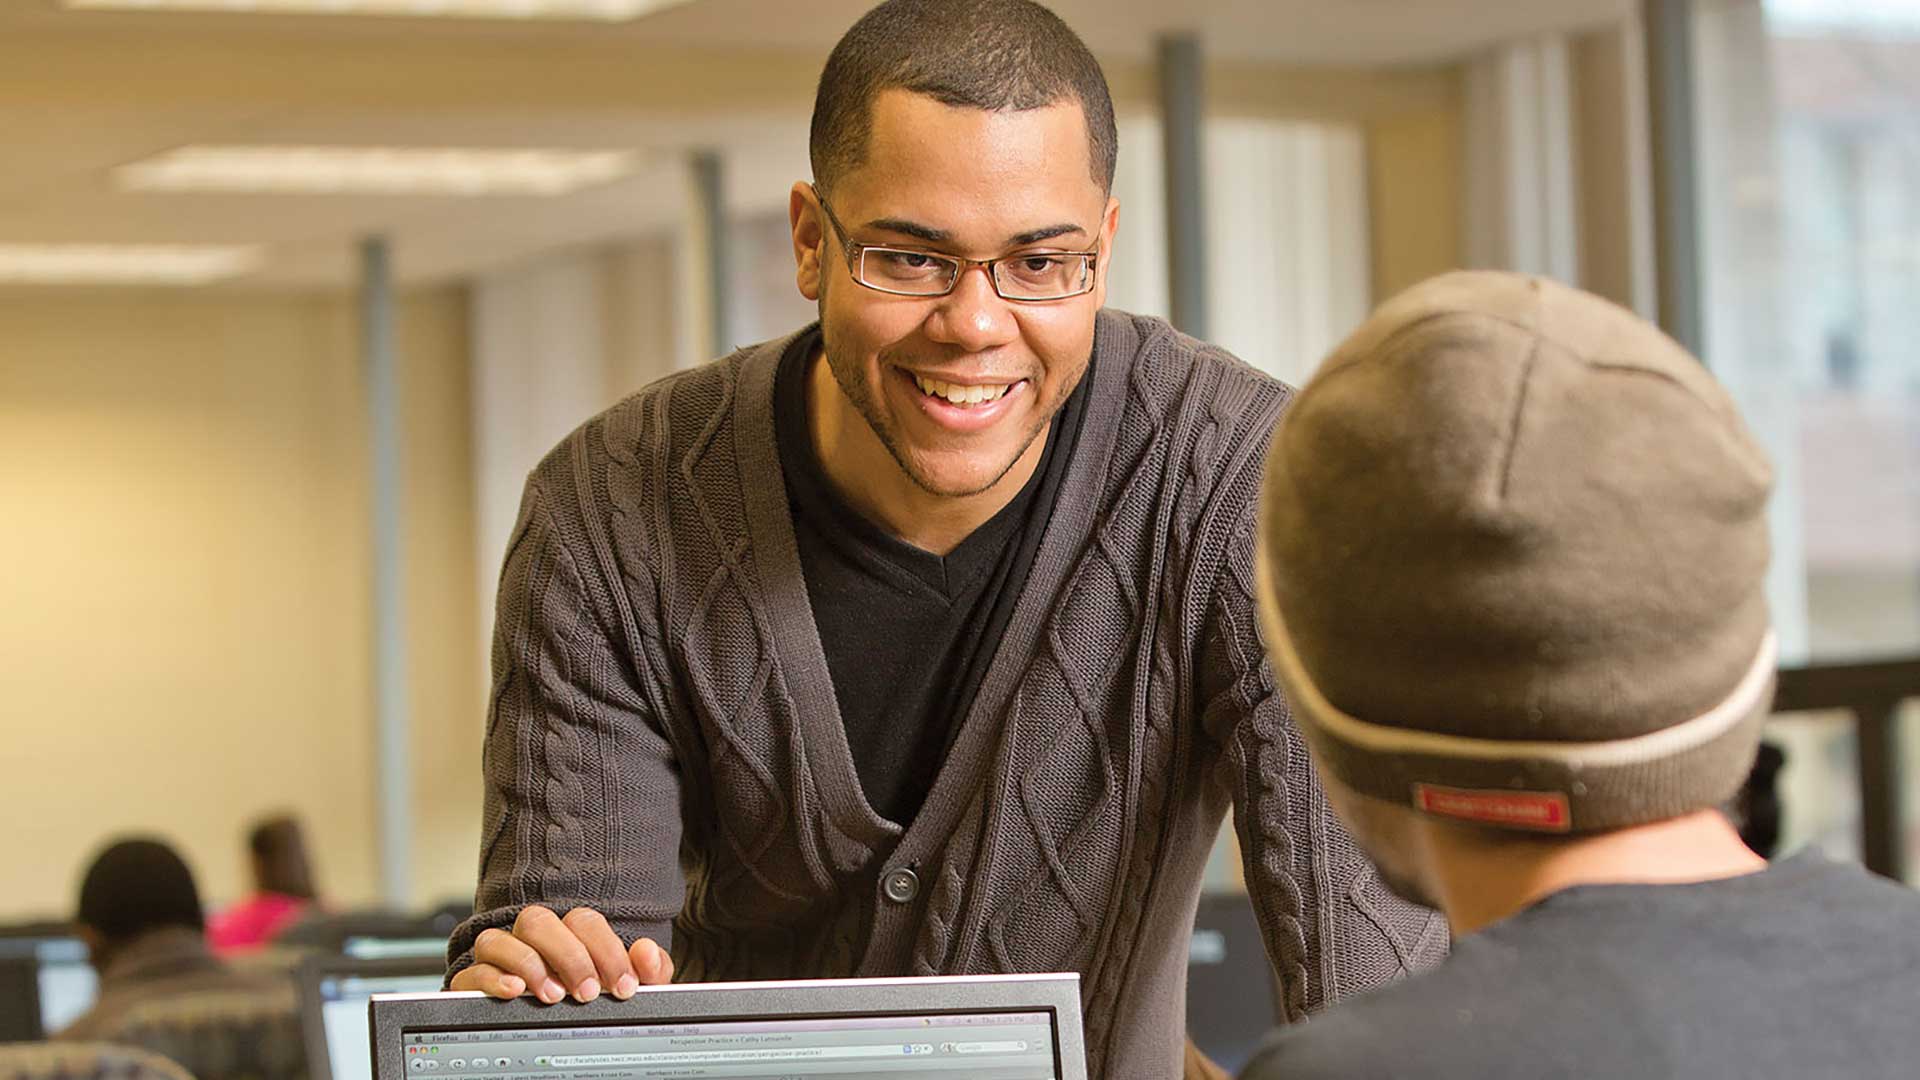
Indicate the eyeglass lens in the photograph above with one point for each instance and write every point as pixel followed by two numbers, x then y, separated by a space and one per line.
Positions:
pixel 1040 276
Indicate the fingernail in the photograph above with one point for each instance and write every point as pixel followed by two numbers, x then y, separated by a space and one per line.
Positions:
pixel 551 991
pixel 513 985
pixel 588 990
pixel 626 987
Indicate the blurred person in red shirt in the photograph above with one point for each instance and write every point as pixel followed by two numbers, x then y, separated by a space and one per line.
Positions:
pixel 283 889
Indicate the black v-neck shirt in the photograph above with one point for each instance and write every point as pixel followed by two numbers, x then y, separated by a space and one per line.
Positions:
pixel 907 634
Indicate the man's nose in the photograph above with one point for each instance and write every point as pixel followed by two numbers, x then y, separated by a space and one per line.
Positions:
pixel 973 317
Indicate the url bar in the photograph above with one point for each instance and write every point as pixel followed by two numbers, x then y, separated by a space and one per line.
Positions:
pixel 716 1057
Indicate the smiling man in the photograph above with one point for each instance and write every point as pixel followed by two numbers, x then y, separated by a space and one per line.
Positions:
pixel 921 641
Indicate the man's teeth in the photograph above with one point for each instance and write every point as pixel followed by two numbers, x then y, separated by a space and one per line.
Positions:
pixel 960 395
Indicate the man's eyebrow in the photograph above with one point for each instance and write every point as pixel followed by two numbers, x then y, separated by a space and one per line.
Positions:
pixel 911 228
pixel 1047 232
pixel 940 236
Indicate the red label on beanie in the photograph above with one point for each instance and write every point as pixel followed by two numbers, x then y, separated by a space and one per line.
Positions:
pixel 1541 811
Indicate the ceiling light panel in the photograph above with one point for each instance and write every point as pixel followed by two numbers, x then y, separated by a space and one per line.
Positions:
pixel 574 10
pixel 343 170
pixel 122 264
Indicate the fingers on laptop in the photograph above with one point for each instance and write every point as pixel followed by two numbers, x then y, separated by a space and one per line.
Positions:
pixel 513 955
pixel 569 967
pixel 547 954
pixel 651 964
pixel 489 980
pixel 607 955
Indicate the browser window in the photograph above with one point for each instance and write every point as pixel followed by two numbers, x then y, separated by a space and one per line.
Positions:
pixel 988 1046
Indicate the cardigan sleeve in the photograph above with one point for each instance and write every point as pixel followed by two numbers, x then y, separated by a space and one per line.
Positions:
pixel 1332 928
pixel 582 804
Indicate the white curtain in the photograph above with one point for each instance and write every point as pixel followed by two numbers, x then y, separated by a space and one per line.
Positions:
pixel 1288 256
pixel 1288 265
pixel 1522 209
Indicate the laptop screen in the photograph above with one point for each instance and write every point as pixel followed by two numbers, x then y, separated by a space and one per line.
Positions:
pixel 343 1015
pixel 983 1045
pixel 67 981
pixel 380 948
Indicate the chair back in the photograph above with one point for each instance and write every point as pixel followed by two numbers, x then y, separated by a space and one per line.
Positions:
pixel 84 1061
pixel 227 1034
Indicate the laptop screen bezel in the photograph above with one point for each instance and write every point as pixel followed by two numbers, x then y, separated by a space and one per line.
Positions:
pixel 25 955
pixel 394 1016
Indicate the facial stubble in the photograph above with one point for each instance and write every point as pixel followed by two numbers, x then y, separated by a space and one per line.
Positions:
pixel 849 374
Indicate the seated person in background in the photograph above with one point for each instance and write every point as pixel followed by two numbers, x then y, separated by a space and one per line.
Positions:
pixel 1512 551
pixel 141 919
pixel 283 888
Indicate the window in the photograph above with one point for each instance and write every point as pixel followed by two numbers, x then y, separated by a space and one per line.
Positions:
pixel 1808 127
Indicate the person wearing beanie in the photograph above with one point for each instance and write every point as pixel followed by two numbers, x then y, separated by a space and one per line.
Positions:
pixel 141 918
pixel 1512 548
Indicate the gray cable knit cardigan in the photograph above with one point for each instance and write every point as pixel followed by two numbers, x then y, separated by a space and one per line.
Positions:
pixel 663 743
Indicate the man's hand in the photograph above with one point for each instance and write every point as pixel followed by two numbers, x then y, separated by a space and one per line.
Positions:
pixel 551 957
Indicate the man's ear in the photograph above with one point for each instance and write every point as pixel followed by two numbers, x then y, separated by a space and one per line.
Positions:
pixel 1109 225
pixel 809 238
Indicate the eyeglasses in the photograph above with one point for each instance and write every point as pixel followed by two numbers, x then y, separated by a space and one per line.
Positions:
pixel 1030 276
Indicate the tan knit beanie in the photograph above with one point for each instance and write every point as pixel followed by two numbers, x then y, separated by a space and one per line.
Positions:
pixel 1513 542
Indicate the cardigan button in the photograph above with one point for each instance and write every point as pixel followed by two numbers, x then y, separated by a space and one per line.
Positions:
pixel 901 885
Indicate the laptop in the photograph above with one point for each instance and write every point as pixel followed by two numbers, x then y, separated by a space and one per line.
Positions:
pixel 970 1027
pixel 46 983
pixel 385 948
pixel 334 992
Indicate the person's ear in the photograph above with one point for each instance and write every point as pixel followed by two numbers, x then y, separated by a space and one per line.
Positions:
pixel 96 944
pixel 809 238
pixel 1109 225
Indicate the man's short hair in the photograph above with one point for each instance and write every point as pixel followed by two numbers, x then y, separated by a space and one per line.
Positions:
pixel 997 55
pixel 137 886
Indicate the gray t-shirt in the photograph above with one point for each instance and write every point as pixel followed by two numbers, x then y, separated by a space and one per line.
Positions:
pixel 1806 969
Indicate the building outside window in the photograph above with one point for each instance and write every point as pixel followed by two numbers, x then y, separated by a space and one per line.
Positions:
pixel 1808 121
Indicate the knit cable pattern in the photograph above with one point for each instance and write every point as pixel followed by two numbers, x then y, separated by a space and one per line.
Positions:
pixel 654 750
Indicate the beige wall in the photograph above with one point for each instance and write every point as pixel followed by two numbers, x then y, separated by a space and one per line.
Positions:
pixel 183 613
pixel 1414 195
pixel 1414 130
pixel 1614 162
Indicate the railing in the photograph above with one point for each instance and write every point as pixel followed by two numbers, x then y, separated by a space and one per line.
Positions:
pixel 1872 692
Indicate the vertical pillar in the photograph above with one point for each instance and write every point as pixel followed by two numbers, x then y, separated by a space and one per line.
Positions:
pixel 392 764
pixel 1676 148
pixel 1182 101
pixel 709 181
